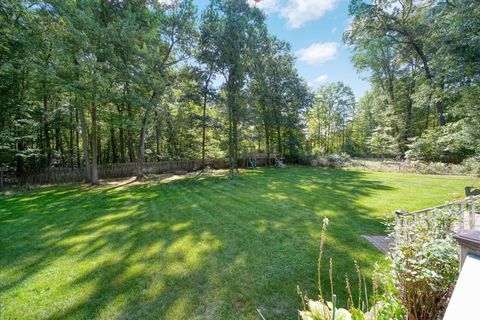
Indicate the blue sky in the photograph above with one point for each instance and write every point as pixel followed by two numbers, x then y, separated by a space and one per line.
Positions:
pixel 314 29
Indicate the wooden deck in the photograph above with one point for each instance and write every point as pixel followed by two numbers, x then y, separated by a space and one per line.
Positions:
pixel 382 243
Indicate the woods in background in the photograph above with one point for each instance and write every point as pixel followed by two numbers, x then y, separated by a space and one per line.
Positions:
pixel 422 59
pixel 95 82
pixel 85 83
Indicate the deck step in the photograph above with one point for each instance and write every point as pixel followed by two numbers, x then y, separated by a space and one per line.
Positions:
pixel 382 243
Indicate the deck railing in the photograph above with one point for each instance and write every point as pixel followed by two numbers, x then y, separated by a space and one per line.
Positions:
pixel 467 211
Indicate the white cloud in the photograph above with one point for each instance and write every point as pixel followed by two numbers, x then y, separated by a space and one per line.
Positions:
pixel 266 5
pixel 321 79
pixel 318 53
pixel 297 12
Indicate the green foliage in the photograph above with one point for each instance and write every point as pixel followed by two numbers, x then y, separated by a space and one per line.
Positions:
pixel 473 165
pixel 425 262
pixel 329 119
pixel 386 306
pixel 418 282
pixel 445 144
pixel 92 82
pixel 424 77
pixel 382 144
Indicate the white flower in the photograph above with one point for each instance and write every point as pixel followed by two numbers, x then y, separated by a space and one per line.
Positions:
pixel 306 315
pixel 342 314
pixel 318 310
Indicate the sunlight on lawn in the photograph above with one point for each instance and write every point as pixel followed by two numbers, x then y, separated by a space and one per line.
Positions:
pixel 203 246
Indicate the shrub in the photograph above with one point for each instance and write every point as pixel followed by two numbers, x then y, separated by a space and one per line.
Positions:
pixel 425 262
pixel 304 159
pixel 441 144
pixel 468 166
pixel 430 167
pixel 415 285
pixel 332 160
pixel 472 165
pixel 385 306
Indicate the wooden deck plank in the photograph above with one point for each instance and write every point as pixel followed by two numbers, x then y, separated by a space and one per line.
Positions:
pixel 382 243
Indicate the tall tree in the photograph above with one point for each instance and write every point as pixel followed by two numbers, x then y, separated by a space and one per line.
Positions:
pixel 232 23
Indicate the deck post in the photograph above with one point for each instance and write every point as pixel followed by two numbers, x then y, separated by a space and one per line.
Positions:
pixel 469 241
pixel 398 216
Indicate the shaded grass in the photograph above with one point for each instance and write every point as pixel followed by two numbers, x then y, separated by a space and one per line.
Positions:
pixel 204 247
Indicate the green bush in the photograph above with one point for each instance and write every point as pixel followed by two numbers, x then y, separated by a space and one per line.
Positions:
pixel 417 283
pixel 304 159
pixel 443 144
pixel 472 165
pixel 384 306
pixel 425 262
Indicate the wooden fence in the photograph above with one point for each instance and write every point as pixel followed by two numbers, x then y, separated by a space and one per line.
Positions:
pixel 468 211
pixel 112 171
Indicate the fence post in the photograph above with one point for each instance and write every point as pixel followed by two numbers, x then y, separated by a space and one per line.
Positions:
pixel 462 215
pixel 471 213
pixel 469 241
pixel 399 217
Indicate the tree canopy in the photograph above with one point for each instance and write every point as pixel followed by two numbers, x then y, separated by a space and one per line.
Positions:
pixel 94 82
pixel 423 64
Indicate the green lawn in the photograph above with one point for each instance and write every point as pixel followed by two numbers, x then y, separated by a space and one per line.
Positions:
pixel 204 247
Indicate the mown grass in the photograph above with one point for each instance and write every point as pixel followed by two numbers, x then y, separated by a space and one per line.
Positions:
pixel 198 248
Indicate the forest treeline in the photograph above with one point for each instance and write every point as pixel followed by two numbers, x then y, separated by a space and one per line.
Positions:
pixel 91 82
pixel 423 61
pixel 95 82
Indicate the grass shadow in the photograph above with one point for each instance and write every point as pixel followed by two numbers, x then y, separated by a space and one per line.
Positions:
pixel 202 247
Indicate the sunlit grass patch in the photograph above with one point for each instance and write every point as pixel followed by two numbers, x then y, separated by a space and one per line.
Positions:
pixel 202 246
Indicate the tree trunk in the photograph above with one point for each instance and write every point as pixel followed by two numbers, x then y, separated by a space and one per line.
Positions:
pixel 131 151
pixel 100 159
pixel 94 175
pixel 77 140
pixel 230 134
pixel 122 145
pixel 232 92
pixel 157 134
pixel 426 67
pixel 85 143
pixel 70 138
pixel 204 120
pixel 121 134
pixel 58 143
pixel 46 129
pixel 143 133
pixel 408 113
pixel 141 145
pixel 267 142
pixel 114 145
pixel 279 141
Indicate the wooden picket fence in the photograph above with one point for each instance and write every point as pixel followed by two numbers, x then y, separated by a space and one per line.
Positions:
pixel 117 170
